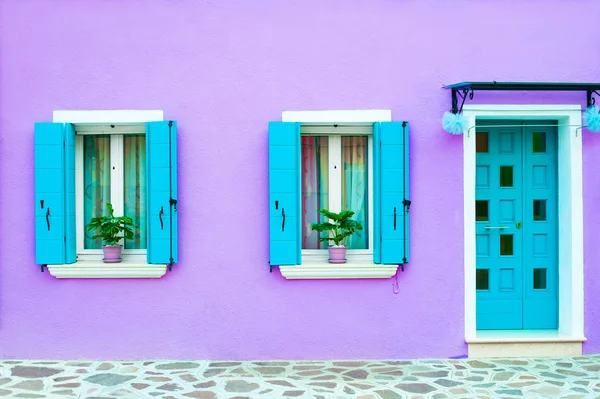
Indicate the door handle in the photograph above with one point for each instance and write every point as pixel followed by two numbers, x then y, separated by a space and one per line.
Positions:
pixel 495 227
pixel 48 218
pixel 160 213
pixel 283 219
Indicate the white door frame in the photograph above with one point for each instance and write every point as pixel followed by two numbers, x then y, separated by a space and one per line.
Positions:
pixel 570 208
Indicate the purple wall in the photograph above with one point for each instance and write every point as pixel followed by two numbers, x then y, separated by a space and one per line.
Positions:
pixel 223 70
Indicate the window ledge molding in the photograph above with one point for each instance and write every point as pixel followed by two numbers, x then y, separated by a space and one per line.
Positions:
pixel 326 270
pixel 99 269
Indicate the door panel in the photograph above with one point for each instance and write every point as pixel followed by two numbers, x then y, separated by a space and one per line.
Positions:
pixel 501 186
pixel 540 295
pixel 516 215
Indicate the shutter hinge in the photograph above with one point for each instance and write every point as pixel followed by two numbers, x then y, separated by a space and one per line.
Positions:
pixel 406 204
pixel 402 265
pixel 42 267
pixel 173 203
pixel 170 265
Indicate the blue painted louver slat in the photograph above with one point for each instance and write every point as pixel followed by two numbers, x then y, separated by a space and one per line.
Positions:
pixel 54 169
pixel 161 158
pixel 391 190
pixel 284 193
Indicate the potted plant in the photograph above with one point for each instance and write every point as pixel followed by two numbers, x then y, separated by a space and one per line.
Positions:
pixel 338 227
pixel 109 227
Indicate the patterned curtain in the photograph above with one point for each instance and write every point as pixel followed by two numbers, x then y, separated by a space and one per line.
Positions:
pixel 315 187
pixel 134 178
pixel 355 187
pixel 96 165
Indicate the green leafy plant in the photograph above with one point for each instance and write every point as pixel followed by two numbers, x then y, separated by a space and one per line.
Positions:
pixel 338 227
pixel 108 227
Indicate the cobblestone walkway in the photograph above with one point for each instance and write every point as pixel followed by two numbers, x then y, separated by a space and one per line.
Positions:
pixel 575 377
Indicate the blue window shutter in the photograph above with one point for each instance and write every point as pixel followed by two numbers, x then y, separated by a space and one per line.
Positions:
pixel 284 193
pixel 49 169
pixel 391 191
pixel 161 202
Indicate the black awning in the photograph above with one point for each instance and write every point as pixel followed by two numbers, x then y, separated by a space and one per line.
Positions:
pixel 467 88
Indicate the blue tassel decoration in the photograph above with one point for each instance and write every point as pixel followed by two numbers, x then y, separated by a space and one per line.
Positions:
pixel 453 123
pixel 591 118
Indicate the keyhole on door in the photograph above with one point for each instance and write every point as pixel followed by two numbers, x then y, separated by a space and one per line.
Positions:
pixel 518 225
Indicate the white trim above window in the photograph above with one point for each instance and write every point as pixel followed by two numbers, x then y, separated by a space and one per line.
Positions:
pixel 107 116
pixel 343 116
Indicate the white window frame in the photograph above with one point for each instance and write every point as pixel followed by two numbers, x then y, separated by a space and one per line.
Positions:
pixel 570 214
pixel 92 266
pixel 335 134
pixel 116 134
pixel 358 266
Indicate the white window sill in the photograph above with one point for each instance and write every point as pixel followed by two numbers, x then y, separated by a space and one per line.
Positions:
pixel 321 269
pixel 99 269
pixel 514 336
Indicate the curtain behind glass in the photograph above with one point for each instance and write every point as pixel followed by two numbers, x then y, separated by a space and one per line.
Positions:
pixel 134 148
pixel 355 187
pixel 315 187
pixel 96 183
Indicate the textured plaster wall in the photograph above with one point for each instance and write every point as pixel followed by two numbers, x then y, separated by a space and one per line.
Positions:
pixel 223 70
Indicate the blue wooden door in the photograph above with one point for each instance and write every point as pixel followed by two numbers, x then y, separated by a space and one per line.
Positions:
pixel 516 225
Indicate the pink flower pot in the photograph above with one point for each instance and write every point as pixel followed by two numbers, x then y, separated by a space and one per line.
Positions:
pixel 337 254
pixel 112 253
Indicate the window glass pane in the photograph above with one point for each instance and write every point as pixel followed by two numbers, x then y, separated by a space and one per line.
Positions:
pixel 134 190
pixel 96 183
pixel 506 176
pixel 482 279
pixel 539 209
pixel 481 142
pixel 539 141
pixel 315 186
pixel 506 244
pixel 481 211
pixel 355 187
pixel 539 279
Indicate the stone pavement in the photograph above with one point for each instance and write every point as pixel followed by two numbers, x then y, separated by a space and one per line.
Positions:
pixel 573 377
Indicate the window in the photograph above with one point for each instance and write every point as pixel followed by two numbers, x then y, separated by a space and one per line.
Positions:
pixel 358 165
pixel 335 170
pixel 81 166
pixel 111 167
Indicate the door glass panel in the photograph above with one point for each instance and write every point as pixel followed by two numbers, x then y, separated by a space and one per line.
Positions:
pixel 539 209
pixel 539 279
pixel 482 142
pixel 539 141
pixel 506 244
pixel 482 210
pixel 482 279
pixel 506 176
